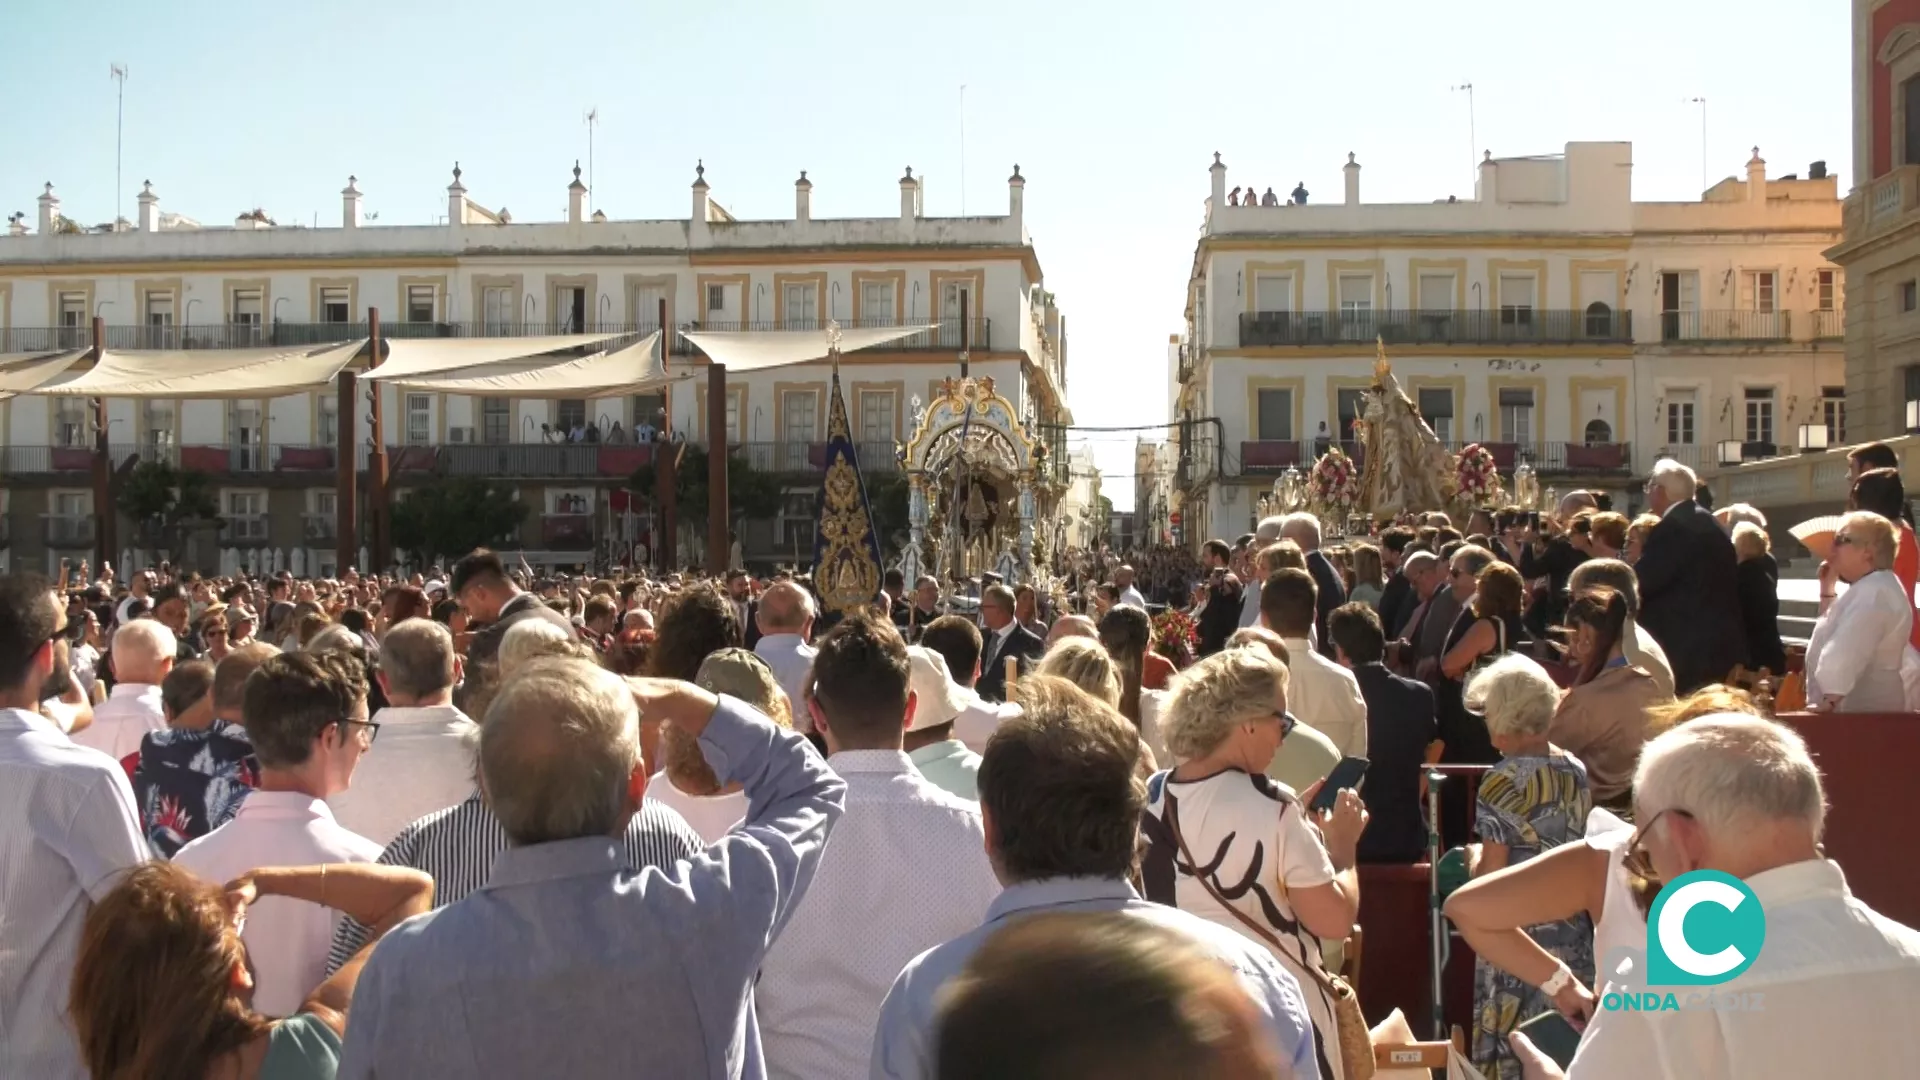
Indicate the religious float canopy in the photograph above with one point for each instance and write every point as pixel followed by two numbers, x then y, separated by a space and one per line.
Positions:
pixel 973 472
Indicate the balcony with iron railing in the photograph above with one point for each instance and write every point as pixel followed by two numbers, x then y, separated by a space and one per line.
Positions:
pixel 811 457
pixel 1829 325
pixel 1725 327
pixel 1509 326
pixel 67 530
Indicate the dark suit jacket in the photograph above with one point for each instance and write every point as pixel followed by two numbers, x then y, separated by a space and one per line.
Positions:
pixel 750 633
pixel 1021 643
pixel 1221 617
pixel 1690 597
pixel 1397 601
pixel 1333 593
pixel 1400 724
pixel 485 647
pixel 1759 580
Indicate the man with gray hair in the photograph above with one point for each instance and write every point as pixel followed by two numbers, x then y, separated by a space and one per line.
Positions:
pixel 1689 583
pixel 1304 529
pixel 423 761
pixel 1267 533
pixel 785 617
pixel 658 966
pixel 1641 649
pixel 1004 638
pixel 143 652
pixel 1740 796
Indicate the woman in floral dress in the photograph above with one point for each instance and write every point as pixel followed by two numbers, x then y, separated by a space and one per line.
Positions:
pixel 1534 800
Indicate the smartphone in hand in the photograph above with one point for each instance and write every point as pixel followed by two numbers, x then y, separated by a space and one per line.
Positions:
pixel 1554 1035
pixel 1346 774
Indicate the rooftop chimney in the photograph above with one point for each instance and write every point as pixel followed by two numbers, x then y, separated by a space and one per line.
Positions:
pixel 350 204
pixel 576 196
pixel 1756 177
pixel 909 199
pixel 697 225
pixel 1817 171
pixel 49 209
pixel 1016 197
pixel 456 200
pixel 1219 171
pixel 599 217
pixel 803 198
pixel 149 208
pixel 1352 169
pixel 1489 178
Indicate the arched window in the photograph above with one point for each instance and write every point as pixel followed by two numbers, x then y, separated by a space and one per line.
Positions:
pixel 1599 320
pixel 1599 432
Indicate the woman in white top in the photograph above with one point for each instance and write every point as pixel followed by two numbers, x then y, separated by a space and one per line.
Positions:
pixel 1853 660
pixel 1237 848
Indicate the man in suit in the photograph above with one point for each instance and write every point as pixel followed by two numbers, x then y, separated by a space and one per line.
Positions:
pixel 1400 727
pixel 1689 583
pixel 1222 595
pixel 1005 637
pixel 482 587
pixel 1397 600
pixel 745 608
pixel 1304 529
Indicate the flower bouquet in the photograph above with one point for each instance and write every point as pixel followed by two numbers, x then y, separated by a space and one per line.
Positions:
pixel 1175 636
pixel 1476 477
pixel 1334 484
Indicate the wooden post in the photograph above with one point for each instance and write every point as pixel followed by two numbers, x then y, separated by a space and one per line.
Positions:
pixel 346 493
pixel 663 461
pixel 717 510
pixel 106 516
pixel 379 498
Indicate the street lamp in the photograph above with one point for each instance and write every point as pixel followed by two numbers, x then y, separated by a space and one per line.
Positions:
pixel 1813 438
pixel 1730 452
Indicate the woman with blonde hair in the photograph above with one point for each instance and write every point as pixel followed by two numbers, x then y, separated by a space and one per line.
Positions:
pixel 1234 847
pixel 1606 535
pixel 1853 659
pixel 163 988
pixel 1086 664
pixel 1369 576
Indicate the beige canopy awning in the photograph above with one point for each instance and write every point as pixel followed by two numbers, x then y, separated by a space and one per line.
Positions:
pixel 226 373
pixel 628 370
pixel 757 350
pixel 433 356
pixel 22 372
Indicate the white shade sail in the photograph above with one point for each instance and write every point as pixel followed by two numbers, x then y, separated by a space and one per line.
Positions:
pixel 757 350
pixel 21 372
pixel 207 373
pixel 406 357
pixel 628 370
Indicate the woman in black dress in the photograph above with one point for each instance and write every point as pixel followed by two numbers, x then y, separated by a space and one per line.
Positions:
pixel 1758 576
pixel 1489 626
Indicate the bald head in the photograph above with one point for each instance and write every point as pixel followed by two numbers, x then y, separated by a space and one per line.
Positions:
pixel 785 608
pixel 558 752
pixel 143 652
pixel 1575 502
pixel 1071 626
pixel 230 678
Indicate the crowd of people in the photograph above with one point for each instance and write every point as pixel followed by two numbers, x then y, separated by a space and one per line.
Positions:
pixel 486 823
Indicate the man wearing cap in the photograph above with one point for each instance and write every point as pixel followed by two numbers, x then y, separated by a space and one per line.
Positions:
pixel 943 760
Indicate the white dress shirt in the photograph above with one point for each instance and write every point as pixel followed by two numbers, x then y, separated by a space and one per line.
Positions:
pixel 906 870
pixel 421 762
pixel 791 659
pixel 121 721
pixel 1326 695
pixel 1131 595
pixel 1858 645
pixel 286 939
pixel 1837 987
pixel 71 828
pixel 712 816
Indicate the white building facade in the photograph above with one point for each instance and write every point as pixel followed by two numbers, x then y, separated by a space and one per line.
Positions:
pixel 1550 318
pixel 171 284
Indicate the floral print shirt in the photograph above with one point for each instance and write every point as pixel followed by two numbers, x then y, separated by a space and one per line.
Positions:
pixel 190 782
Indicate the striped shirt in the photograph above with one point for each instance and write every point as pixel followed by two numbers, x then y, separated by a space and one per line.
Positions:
pixel 456 847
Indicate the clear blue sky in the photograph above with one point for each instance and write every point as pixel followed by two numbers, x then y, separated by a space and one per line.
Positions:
pixel 1111 109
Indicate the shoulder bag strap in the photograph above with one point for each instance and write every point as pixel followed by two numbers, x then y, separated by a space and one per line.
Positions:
pixel 1311 965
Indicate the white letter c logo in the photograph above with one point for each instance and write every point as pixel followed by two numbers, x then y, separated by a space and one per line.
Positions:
pixel 1672 928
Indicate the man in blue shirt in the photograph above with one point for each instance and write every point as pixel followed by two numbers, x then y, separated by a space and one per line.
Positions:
pixel 567 963
pixel 1061 805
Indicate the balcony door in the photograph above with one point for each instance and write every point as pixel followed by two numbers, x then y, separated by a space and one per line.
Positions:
pixel 800 421
pixel 246 435
pixel 1436 407
pixel 1276 415
pixel 1516 415
pixel 1679 305
pixel 570 309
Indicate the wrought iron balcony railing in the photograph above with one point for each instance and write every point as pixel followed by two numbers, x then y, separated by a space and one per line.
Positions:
pixel 1722 327
pixel 1509 326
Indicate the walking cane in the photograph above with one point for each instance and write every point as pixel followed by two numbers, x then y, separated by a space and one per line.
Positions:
pixel 1436 922
pixel 1013 673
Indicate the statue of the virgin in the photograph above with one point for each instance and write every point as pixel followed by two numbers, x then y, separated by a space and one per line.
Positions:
pixel 1406 468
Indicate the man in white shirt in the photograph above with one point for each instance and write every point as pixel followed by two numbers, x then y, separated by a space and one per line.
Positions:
pixel 1123 580
pixel 143 652
pixel 786 622
pixel 1835 985
pixel 71 829
pixel 1319 691
pixel 425 761
pixel 906 870
pixel 139 587
pixel 306 715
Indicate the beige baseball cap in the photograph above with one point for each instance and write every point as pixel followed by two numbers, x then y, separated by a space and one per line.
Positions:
pixel 938 698
pixel 741 674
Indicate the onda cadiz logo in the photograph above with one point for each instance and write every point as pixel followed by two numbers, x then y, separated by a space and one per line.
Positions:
pixel 1704 929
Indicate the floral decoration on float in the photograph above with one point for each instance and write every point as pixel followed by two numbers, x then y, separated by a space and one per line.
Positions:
pixel 1334 483
pixel 1175 636
pixel 1476 477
